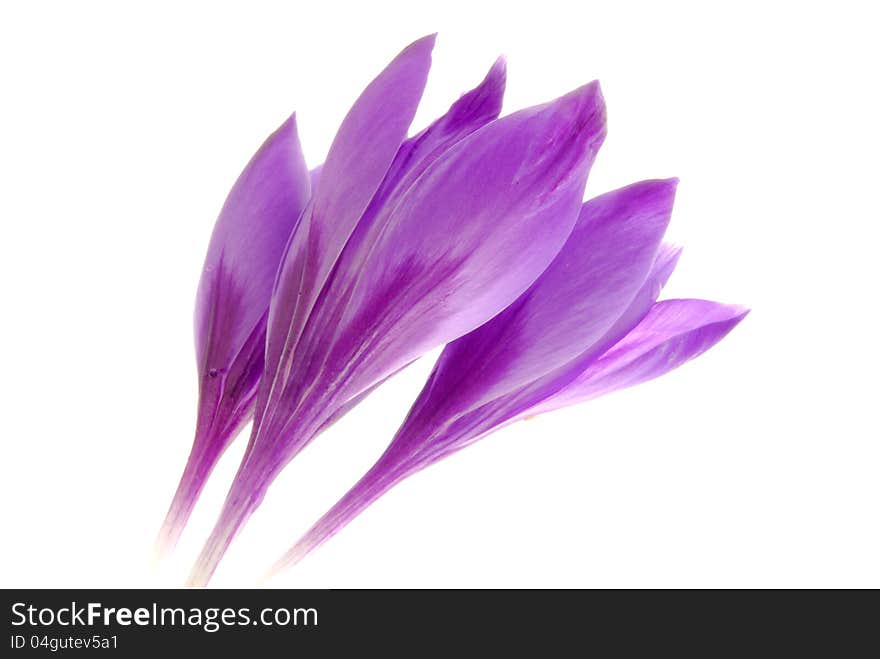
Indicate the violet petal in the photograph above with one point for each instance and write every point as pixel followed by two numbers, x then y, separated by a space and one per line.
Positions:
pixel 672 333
pixel 232 303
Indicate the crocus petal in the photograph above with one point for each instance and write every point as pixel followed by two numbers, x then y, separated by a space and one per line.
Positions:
pixel 232 303
pixel 465 240
pixel 672 333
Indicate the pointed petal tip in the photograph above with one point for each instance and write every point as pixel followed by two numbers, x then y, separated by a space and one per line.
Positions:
pixel 289 125
pixel 496 78
pixel 499 69
pixel 668 186
pixel 580 121
pixel 725 317
pixel 287 132
pixel 424 44
pixel 590 94
pixel 418 53
pixel 593 91
pixel 590 111
pixel 648 203
pixel 485 99
pixel 658 195
pixel 707 311
pixel 576 120
pixel 728 312
pixel 661 188
pixel 671 251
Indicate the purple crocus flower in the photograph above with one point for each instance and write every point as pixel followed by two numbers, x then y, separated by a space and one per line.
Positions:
pixel 232 306
pixel 588 326
pixel 404 246
pixel 250 236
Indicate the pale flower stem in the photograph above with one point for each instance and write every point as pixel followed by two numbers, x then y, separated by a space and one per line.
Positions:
pixel 198 468
pixel 212 435
pixel 241 502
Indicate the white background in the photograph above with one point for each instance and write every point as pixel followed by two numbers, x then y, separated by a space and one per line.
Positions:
pixel 122 127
